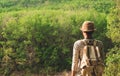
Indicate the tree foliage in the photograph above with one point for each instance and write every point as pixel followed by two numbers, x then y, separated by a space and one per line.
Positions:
pixel 16 5
pixel 37 36
pixel 43 39
pixel 113 27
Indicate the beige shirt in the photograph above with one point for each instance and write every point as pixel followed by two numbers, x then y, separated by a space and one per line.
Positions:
pixel 78 46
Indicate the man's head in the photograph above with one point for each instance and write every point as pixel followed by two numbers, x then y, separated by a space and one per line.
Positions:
pixel 87 28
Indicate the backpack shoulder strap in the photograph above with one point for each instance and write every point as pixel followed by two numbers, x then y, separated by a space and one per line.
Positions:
pixel 95 50
pixel 99 51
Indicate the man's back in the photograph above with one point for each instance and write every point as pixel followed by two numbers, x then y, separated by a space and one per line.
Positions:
pixel 78 51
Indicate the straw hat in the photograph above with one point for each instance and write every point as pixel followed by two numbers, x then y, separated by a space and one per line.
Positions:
pixel 88 26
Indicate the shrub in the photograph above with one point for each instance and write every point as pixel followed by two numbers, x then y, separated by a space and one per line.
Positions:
pixel 42 41
pixel 113 30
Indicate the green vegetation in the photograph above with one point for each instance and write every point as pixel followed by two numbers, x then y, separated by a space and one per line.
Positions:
pixel 16 5
pixel 113 27
pixel 37 36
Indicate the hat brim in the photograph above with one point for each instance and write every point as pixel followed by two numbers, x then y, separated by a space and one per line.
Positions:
pixel 88 30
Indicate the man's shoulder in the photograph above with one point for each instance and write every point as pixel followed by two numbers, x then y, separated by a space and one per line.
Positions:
pixel 82 41
pixel 78 42
pixel 99 42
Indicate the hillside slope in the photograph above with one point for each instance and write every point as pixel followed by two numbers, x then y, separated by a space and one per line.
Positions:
pixel 15 5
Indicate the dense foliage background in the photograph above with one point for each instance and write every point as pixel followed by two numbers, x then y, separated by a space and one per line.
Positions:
pixel 37 36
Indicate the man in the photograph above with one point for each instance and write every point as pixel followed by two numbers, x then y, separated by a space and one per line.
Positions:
pixel 82 65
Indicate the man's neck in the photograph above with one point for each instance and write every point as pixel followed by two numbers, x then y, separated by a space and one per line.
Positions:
pixel 88 37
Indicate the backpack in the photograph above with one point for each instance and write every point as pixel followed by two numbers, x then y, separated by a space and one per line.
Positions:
pixel 91 54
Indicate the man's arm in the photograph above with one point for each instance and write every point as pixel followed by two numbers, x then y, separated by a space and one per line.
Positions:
pixel 75 58
pixel 73 73
pixel 102 50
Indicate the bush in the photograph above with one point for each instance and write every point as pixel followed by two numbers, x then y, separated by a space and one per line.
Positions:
pixel 42 41
pixel 113 30
pixel 112 62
